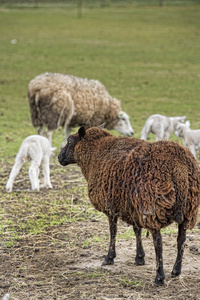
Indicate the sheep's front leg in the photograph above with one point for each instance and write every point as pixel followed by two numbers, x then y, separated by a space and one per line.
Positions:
pixel 49 135
pixel 166 135
pixel 139 259
pixel 109 259
pixel 157 240
pixel 40 130
pixel 46 172
pixel 180 245
pixel 160 133
pixel 193 150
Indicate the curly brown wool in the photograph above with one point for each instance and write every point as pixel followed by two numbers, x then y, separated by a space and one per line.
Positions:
pixel 147 185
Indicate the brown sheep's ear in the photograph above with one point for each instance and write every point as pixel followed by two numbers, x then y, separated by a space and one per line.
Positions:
pixel 102 126
pixel 81 132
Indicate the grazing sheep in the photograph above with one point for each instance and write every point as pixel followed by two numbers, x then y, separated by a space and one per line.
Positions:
pixel 38 149
pixel 150 187
pixel 191 138
pixel 161 126
pixel 69 101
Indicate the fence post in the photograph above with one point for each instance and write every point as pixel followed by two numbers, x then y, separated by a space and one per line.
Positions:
pixel 79 8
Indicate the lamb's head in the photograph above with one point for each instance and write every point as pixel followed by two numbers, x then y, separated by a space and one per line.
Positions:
pixel 66 155
pixel 181 119
pixel 177 120
pixel 180 129
pixel 123 124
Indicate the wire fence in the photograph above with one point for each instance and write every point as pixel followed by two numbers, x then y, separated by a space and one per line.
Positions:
pixel 98 3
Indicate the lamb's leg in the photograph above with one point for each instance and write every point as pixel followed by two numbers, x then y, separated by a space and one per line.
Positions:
pixel 145 132
pixel 160 135
pixel 109 259
pixel 15 171
pixel 166 135
pixel 157 240
pixel 139 259
pixel 180 246
pixel 46 172
pixel 33 175
pixel 49 136
pixel 193 150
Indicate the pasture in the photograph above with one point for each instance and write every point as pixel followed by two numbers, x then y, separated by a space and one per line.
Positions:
pixel 52 243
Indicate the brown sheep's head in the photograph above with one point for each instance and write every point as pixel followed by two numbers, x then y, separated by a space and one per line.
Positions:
pixel 66 155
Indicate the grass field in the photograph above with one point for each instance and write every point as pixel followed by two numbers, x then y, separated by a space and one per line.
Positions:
pixel 149 58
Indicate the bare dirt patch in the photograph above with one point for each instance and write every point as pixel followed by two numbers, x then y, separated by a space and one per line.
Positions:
pixel 63 260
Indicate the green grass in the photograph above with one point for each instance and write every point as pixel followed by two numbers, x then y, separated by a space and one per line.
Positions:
pixel 147 56
pixel 130 283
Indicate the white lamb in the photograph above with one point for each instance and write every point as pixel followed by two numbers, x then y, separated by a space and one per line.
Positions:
pixel 38 150
pixel 161 126
pixel 191 138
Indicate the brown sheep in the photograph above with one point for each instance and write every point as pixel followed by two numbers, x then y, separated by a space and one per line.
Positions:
pixel 147 185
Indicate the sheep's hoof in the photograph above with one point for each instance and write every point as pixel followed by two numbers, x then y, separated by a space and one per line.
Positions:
pixel 139 261
pixel 159 281
pixel 36 190
pixel 108 261
pixel 46 186
pixel 175 273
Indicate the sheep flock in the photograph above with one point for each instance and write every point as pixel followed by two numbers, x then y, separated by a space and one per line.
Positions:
pixel 147 185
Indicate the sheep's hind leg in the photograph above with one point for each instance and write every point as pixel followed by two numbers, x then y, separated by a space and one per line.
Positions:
pixel 157 240
pixel 40 130
pixel 180 245
pixel 49 135
pixel 139 259
pixel 109 259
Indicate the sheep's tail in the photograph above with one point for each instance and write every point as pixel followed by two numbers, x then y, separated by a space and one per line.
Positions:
pixel 34 108
pixel 181 184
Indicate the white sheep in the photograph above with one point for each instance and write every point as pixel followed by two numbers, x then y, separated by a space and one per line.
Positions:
pixel 191 138
pixel 69 101
pixel 38 150
pixel 161 126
